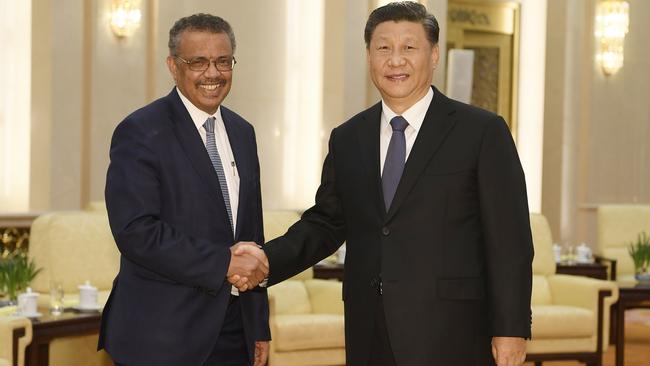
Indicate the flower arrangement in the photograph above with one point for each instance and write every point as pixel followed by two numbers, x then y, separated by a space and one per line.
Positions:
pixel 16 272
pixel 640 253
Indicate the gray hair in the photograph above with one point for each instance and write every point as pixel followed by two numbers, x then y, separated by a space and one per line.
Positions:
pixel 199 22
pixel 403 10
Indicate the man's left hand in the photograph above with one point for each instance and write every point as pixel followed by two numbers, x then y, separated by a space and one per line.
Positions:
pixel 261 353
pixel 509 351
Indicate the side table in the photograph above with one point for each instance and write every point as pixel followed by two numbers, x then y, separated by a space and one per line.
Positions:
pixel 593 270
pixel 48 327
pixel 329 271
pixel 630 296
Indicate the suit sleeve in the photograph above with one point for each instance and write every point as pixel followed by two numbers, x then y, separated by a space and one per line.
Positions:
pixel 133 198
pixel 506 229
pixel 318 233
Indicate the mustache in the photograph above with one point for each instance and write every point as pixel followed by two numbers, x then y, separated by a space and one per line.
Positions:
pixel 218 81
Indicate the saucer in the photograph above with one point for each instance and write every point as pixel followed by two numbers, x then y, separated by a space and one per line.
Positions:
pixel 30 315
pixel 87 308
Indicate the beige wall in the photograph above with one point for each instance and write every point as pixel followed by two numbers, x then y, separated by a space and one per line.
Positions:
pixel 86 81
pixel 597 128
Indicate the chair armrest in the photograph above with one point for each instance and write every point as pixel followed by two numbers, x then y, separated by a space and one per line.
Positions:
pixel 612 265
pixel 21 327
pixel 325 296
pixel 590 293
pixel 580 291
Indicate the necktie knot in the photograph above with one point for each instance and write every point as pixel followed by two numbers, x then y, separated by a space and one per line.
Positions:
pixel 209 124
pixel 399 123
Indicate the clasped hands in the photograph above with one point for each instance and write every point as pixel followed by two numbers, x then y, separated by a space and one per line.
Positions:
pixel 248 265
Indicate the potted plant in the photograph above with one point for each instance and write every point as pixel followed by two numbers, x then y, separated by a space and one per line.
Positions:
pixel 16 272
pixel 640 253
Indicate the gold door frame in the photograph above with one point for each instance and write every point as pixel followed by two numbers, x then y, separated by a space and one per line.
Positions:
pixel 472 22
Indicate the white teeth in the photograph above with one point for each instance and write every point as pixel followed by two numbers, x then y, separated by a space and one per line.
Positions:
pixel 210 87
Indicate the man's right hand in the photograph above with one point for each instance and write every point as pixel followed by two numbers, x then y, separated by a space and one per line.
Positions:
pixel 248 266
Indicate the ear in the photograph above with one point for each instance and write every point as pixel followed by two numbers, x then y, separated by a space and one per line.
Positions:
pixel 368 56
pixel 435 55
pixel 173 68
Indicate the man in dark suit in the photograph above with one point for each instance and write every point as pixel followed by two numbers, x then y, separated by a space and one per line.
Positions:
pixel 430 196
pixel 182 187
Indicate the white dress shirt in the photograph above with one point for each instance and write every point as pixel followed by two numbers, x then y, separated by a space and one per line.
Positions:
pixel 225 153
pixel 223 146
pixel 414 116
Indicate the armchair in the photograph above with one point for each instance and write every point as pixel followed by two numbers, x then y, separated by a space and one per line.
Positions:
pixel 8 326
pixel 72 247
pixel 618 226
pixel 306 319
pixel 570 314
pixel 306 314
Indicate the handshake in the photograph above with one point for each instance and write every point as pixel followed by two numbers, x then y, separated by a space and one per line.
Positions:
pixel 248 265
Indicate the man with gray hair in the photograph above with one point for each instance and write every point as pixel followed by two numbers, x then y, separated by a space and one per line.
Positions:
pixel 182 187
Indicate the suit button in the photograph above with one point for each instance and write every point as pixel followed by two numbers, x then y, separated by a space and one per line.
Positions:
pixel 385 231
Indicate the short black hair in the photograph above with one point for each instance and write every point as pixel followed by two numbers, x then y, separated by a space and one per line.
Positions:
pixel 199 22
pixel 403 10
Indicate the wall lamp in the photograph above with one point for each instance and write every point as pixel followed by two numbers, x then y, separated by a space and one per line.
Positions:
pixel 125 17
pixel 612 23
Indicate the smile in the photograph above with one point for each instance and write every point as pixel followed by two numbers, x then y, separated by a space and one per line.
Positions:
pixel 397 77
pixel 211 87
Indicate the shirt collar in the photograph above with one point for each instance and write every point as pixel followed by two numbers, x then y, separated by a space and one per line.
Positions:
pixel 198 116
pixel 414 115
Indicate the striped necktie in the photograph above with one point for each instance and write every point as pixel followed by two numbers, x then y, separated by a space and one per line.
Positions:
pixel 211 146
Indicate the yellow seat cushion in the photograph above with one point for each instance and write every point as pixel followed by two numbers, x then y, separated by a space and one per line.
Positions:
pixel 308 331
pixel 560 321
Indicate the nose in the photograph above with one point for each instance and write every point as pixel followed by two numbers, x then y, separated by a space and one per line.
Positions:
pixel 396 58
pixel 212 69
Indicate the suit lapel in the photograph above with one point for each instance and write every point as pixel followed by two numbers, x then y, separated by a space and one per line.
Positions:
pixel 368 136
pixel 193 146
pixel 237 141
pixel 435 127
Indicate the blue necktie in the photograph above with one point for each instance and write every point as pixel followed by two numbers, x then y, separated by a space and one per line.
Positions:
pixel 211 146
pixel 395 159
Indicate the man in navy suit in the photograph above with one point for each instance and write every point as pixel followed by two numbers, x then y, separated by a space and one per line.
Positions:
pixel 182 187
pixel 430 197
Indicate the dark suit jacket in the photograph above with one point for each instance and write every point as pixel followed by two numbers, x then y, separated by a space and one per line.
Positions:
pixel 170 224
pixel 454 251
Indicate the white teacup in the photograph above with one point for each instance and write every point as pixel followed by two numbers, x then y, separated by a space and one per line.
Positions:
pixel 27 303
pixel 87 296
pixel 584 253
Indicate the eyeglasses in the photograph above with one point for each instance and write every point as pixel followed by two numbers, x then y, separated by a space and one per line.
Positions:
pixel 202 63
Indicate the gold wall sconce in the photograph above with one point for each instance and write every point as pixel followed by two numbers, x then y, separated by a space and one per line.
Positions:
pixel 612 24
pixel 125 17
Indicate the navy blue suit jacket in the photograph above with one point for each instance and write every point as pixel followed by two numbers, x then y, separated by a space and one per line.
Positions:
pixel 169 221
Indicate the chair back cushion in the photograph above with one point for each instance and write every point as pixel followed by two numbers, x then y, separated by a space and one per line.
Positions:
pixel 72 247
pixel 541 291
pixel 618 226
pixel 544 261
pixel 291 297
pixel 277 222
